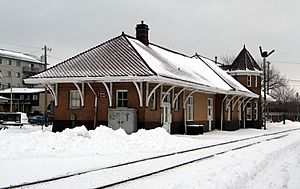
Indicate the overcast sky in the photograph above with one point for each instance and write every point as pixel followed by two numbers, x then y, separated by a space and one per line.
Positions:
pixel 210 28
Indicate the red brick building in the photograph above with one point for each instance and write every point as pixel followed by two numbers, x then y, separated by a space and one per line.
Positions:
pixel 131 83
pixel 245 70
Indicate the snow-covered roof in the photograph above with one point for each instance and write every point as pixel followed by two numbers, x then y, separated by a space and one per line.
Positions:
pixel 18 56
pixel 125 58
pixel 269 97
pixel 223 74
pixel 22 90
pixel 3 99
pixel 177 66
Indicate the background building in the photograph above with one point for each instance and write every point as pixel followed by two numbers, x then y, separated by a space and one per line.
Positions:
pixel 16 66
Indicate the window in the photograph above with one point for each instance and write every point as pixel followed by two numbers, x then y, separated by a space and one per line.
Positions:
pixel 35 97
pixel 240 110
pixel 122 98
pixel 18 75
pixel 8 73
pixel 21 96
pixel 74 99
pixel 1 75
pixel 249 111
pixel 153 101
pixel 256 78
pixel 210 107
pixel 228 109
pixel 176 105
pixel 9 62
pixel 249 81
pixel 18 63
pixel 256 110
pixel 0 60
pixel 190 108
pixel 167 98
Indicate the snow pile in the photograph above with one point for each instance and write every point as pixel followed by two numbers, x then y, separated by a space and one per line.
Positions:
pixel 28 142
pixel 77 131
pixel 31 154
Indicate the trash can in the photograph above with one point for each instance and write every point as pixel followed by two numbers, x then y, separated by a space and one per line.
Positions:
pixel 194 129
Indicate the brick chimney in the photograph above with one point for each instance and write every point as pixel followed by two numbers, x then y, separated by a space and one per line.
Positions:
pixel 142 33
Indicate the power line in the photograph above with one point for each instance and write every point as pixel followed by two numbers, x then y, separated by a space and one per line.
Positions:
pixel 284 62
pixel 60 59
pixel 15 44
pixel 294 80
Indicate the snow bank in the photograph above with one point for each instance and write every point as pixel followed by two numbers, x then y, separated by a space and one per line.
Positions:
pixel 31 143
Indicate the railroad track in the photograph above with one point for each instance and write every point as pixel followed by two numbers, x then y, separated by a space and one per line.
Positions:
pixel 129 171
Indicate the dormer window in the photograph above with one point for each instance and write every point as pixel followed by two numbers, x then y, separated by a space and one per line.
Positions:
pixel 249 81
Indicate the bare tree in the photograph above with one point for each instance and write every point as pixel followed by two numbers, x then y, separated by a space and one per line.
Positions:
pixel 227 59
pixel 275 80
pixel 284 94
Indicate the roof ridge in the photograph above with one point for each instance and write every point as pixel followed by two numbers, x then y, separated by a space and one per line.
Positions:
pixel 173 51
pixel 125 35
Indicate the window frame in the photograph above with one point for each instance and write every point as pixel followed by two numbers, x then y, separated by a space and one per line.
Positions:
pixel 228 110
pixel 176 105
pixel 190 108
pixel 123 100
pixel 152 101
pixel 256 111
pixel 248 80
pixel 256 82
pixel 76 99
pixel 249 111
pixel 18 63
pixel 210 106
pixel 240 110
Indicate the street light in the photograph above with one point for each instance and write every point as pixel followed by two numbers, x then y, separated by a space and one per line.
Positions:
pixel 264 55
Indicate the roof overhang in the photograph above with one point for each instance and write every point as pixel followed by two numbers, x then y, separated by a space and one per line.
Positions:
pixel 153 79
pixel 245 72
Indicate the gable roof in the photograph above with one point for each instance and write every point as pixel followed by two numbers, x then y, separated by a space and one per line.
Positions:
pixel 244 61
pixel 125 58
pixel 113 58
pixel 170 64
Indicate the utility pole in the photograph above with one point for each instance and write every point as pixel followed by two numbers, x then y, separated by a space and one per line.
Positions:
pixel 268 84
pixel 264 55
pixel 297 95
pixel 45 48
pixel 11 93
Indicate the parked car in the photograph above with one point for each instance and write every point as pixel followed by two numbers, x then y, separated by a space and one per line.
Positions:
pixel 38 119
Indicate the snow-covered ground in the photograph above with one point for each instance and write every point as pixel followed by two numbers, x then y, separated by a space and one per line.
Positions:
pixel 31 154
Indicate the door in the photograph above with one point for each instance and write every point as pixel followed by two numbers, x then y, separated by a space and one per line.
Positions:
pixel 210 112
pixel 166 116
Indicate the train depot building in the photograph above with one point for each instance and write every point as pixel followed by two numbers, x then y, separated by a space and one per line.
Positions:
pixel 131 83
